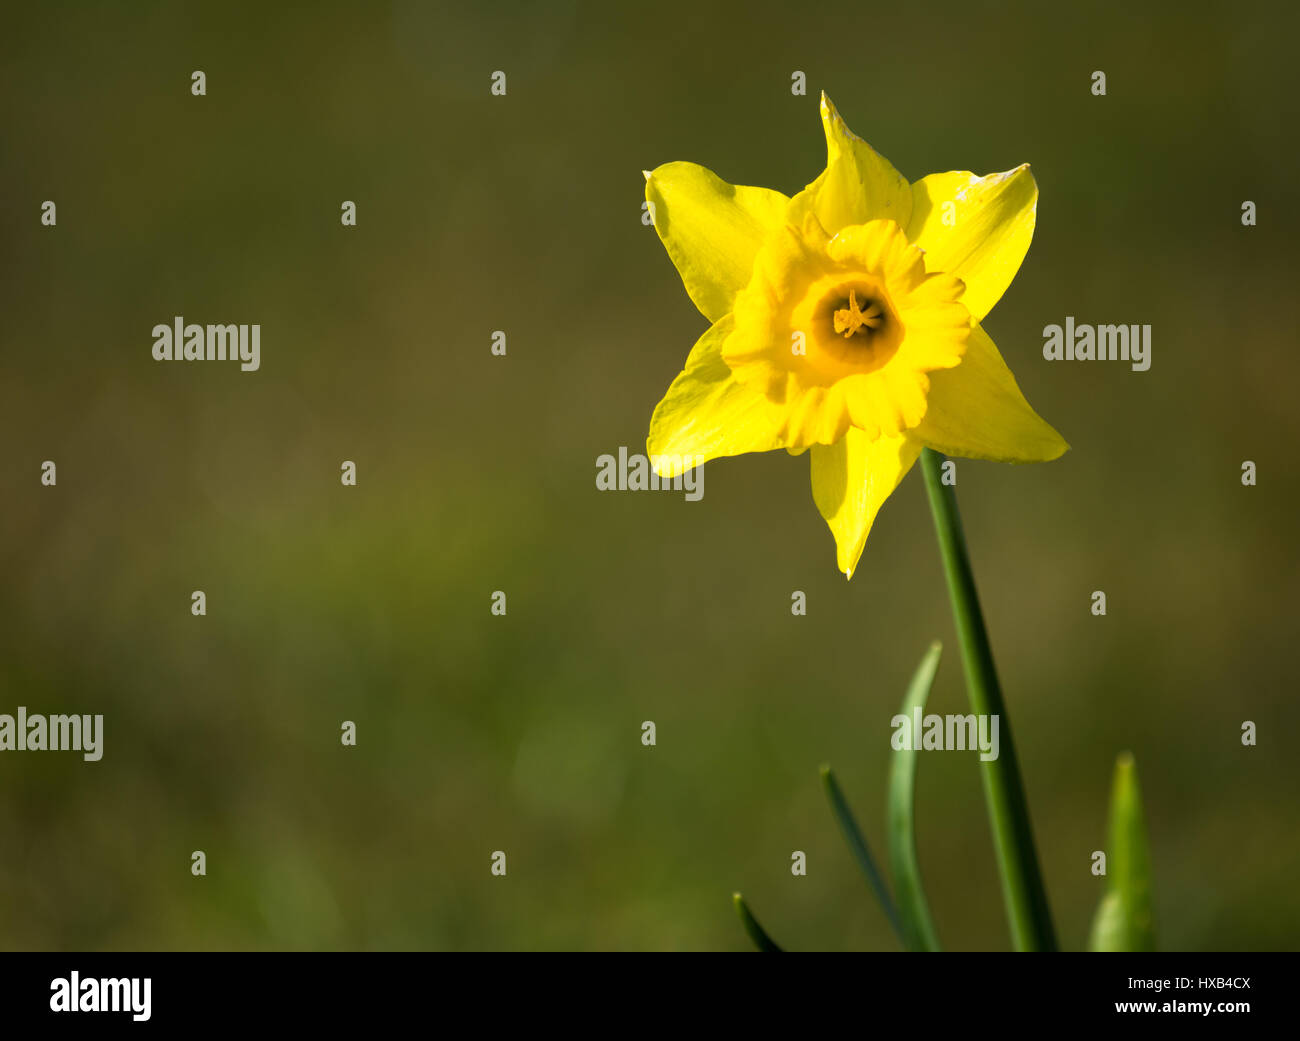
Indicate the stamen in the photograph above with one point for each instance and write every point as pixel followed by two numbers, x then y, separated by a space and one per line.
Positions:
pixel 850 320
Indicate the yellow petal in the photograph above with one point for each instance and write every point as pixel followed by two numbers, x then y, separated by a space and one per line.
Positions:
pixel 858 184
pixel 851 480
pixel 707 413
pixel 976 410
pixel 711 230
pixel 982 236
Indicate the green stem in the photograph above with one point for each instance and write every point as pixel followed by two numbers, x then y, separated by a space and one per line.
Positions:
pixel 1004 791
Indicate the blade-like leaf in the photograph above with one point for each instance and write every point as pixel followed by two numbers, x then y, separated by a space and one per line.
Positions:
pixel 858 845
pixel 918 927
pixel 1124 921
pixel 756 932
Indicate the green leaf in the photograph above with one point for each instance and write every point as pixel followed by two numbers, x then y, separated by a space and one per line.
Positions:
pixel 858 845
pixel 918 927
pixel 756 932
pixel 1124 921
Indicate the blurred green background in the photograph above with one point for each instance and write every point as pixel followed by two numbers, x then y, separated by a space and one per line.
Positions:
pixel 476 473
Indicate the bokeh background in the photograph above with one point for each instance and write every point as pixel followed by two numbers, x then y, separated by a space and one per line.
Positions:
pixel 476 473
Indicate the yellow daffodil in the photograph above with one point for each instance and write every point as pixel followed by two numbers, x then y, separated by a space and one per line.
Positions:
pixel 846 323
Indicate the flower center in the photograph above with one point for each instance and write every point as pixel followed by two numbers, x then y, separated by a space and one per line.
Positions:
pixel 852 320
pixel 853 323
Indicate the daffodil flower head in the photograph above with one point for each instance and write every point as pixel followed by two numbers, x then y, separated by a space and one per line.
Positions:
pixel 845 323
